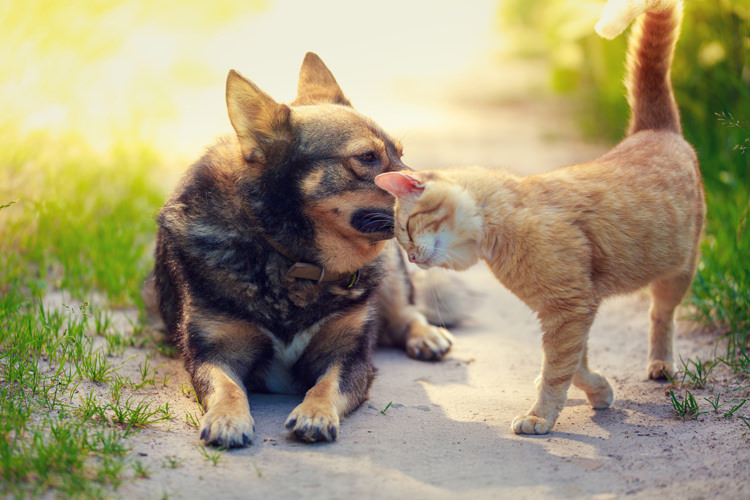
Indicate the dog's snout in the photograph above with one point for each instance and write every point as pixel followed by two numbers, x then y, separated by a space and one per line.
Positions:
pixel 397 165
pixel 373 221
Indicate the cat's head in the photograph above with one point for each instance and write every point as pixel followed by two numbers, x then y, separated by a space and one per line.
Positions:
pixel 436 220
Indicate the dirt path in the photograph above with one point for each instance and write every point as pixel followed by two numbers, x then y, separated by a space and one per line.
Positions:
pixel 446 433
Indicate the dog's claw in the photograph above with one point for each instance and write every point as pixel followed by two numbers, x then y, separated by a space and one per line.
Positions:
pixel 227 431
pixel 311 423
pixel 430 343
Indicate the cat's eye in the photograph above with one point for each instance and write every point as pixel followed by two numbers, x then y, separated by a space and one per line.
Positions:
pixel 369 157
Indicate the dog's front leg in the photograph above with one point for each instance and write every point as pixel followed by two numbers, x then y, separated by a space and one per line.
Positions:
pixel 340 363
pixel 317 417
pixel 227 422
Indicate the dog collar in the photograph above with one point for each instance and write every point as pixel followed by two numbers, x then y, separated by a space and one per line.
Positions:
pixel 320 275
pixel 307 271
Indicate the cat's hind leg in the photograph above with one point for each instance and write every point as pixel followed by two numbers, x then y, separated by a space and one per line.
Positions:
pixel 597 389
pixel 564 344
pixel 666 295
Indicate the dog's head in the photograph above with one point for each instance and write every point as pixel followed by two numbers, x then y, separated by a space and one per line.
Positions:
pixel 312 163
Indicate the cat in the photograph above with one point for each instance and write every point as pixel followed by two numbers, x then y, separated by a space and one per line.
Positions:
pixel 273 266
pixel 565 240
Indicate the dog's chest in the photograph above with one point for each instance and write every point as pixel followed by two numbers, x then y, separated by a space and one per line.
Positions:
pixel 278 377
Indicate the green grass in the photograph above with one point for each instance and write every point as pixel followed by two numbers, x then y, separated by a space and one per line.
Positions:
pixel 49 440
pixel 84 225
pixel 384 410
pixel 696 375
pixel 212 455
pixel 686 408
pixel 56 437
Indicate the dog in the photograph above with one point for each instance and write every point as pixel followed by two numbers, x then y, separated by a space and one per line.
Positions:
pixel 273 266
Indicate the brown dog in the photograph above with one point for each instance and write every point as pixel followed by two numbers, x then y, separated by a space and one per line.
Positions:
pixel 273 271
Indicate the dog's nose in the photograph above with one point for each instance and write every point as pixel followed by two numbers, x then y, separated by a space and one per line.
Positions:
pixel 373 221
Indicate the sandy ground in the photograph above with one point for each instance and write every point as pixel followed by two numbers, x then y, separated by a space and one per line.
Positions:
pixel 446 433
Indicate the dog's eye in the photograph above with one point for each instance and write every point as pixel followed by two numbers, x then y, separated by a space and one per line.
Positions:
pixel 369 157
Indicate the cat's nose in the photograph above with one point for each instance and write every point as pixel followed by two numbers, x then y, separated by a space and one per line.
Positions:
pixel 412 257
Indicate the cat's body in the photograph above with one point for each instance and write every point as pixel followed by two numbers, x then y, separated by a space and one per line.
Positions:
pixel 565 240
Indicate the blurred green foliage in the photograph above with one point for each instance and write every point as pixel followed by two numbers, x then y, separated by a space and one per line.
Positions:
pixel 711 78
pixel 76 220
pixel 84 87
pixel 105 69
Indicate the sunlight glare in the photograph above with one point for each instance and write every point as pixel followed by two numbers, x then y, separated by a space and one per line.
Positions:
pixel 124 73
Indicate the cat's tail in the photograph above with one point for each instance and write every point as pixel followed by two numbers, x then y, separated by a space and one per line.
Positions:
pixel 650 51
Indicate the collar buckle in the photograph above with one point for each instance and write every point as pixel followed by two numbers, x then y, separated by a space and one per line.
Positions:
pixel 319 274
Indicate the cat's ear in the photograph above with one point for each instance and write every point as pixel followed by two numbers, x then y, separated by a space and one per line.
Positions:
pixel 317 84
pixel 262 125
pixel 400 184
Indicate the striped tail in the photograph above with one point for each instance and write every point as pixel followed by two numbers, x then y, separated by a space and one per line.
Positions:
pixel 650 51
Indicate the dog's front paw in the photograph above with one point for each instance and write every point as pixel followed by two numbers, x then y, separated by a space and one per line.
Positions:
pixel 428 342
pixel 312 422
pixel 227 431
pixel 531 424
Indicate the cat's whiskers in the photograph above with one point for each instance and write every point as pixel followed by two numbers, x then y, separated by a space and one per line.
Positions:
pixel 437 300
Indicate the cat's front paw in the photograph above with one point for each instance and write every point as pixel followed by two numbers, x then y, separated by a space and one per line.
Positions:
pixel 602 398
pixel 661 370
pixel 428 343
pixel 226 430
pixel 531 424
pixel 311 421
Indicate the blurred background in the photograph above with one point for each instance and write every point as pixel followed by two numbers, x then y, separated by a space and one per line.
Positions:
pixel 105 103
pixel 153 73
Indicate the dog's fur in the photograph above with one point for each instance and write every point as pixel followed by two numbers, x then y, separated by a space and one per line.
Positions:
pixel 294 184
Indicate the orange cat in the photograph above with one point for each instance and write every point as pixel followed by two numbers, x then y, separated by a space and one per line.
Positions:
pixel 565 240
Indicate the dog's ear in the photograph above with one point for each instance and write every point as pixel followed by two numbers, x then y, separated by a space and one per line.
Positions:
pixel 317 84
pixel 262 125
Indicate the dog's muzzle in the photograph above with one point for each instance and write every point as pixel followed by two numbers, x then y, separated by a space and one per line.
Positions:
pixel 374 222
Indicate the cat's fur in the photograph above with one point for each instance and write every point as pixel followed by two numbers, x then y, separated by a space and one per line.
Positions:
pixel 294 187
pixel 565 240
